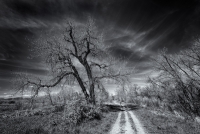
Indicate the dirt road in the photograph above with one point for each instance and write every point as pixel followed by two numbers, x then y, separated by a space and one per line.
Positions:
pixel 127 123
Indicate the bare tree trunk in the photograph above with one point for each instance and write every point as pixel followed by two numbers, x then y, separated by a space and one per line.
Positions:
pixel 49 94
pixel 76 74
pixel 92 95
pixel 51 101
pixel 83 88
pixel 91 83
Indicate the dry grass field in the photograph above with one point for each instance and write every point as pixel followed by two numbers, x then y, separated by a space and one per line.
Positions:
pixel 166 123
pixel 56 120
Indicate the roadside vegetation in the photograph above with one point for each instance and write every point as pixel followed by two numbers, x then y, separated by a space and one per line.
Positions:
pixel 163 122
pixel 170 103
pixel 75 117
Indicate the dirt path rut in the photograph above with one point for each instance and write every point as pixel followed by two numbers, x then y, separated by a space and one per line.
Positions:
pixel 121 127
pixel 116 126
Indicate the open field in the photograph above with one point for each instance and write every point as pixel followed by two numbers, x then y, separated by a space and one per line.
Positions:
pixel 47 120
pixel 47 124
pixel 111 119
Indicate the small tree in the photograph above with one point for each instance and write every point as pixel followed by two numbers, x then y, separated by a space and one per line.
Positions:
pixel 82 57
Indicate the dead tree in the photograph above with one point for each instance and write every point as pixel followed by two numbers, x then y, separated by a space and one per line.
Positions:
pixel 82 55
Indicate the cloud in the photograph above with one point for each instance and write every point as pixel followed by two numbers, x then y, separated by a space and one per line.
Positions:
pixel 135 29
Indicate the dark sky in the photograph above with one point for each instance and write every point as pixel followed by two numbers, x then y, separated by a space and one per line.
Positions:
pixel 136 29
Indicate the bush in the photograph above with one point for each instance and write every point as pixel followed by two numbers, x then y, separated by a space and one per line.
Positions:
pixel 18 105
pixel 59 108
pixel 78 111
pixel 11 102
pixel 75 113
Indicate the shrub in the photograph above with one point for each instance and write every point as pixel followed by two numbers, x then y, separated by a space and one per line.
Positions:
pixel 11 102
pixel 75 113
pixel 59 108
pixel 78 111
pixel 18 105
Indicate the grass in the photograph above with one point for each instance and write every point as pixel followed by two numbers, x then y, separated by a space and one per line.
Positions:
pixel 161 124
pixel 122 122
pixel 98 120
pixel 12 104
pixel 41 125
pixel 102 126
pixel 20 125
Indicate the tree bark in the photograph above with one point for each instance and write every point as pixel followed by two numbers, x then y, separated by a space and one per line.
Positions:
pixel 92 95
pixel 76 74
pixel 91 83
pixel 83 89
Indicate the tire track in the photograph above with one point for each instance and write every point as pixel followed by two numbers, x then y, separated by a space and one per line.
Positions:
pixel 122 123
pixel 137 123
pixel 131 121
pixel 127 123
pixel 128 129
pixel 116 126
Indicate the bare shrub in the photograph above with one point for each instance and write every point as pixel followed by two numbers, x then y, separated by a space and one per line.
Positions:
pixel 180 78
pixel 78 111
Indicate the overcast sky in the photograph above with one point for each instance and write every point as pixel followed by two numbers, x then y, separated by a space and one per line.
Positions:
pixel 136 29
